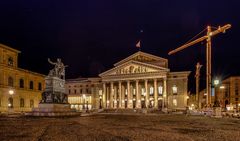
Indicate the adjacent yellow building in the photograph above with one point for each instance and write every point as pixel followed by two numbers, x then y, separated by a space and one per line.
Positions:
pixel 20 89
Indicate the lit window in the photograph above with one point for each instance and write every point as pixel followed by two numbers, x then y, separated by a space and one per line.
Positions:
pixel 160 90
pixel 143 91
pixel 100 92
pixel 134 91
pixel 151 90
pixel 174 89
pixel 174 102
pixel 126 92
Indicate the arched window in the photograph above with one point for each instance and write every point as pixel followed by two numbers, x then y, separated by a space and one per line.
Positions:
pixel 21 83
pixel 39 86
pixel 31 85
pixel 10 81
pixel 10 102
pixel 10 61
pixel 31 103
pixel 21 102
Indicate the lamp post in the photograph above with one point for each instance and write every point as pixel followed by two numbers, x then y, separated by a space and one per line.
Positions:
pixel 84 96
pixel 145 102
pixel 100 102
pixel 216 101
pixel 10 102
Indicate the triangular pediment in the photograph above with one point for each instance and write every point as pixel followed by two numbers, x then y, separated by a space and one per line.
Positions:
pixel 133 67
pixel 145 58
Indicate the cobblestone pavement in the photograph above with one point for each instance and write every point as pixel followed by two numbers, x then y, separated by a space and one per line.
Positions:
pixel 120 128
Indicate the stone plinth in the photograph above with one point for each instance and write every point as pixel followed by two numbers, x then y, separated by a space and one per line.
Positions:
pixel 52 110
pixel 217 112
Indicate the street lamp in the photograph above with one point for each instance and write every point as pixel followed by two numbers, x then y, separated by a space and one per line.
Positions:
pixel 216 82
pixel 100 102
pixel 84 96
pixel 10 101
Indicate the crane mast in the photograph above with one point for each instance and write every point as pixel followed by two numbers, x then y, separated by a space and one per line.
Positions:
pixel 208 54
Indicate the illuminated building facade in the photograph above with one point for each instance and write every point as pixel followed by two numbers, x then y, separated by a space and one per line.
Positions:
pixel 141 80
pixel 228 92
pixel 20 89
pixel 83 93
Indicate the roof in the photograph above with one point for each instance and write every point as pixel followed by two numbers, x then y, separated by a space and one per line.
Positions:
pixel 9 48
pixel 138 54
pixel 134 62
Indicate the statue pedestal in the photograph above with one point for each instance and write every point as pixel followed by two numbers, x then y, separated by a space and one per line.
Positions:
pixel 54 101
pixel 52 110
pixel 217 112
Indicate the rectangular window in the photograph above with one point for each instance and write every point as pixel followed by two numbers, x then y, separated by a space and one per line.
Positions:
pixel 174 89
pixel 39 86
pixel 100 92
pixel 134 91
pixel 160 90
pixel 151 90
pixel 174 102
pixel 143 91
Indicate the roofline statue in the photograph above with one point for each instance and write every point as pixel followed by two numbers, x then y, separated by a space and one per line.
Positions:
pixel 58 70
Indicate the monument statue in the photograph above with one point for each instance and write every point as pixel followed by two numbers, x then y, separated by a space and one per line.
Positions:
pixel 55 84
pixel 54 98
pixel 58 70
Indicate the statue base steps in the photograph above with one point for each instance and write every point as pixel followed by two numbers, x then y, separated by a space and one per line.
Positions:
pixel 52 110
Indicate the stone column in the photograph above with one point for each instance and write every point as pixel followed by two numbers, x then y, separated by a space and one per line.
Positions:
pixel 104 98
pixel 128 95
pixel 147 93
pixel 120 93
pixel 165 98
pixel 155 94
pixel 111 95
pixel 138 101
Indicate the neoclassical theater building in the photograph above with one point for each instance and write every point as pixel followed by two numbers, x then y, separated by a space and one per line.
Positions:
pixel 141 80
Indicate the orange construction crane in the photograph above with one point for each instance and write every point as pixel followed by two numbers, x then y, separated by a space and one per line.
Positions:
pixel 207 37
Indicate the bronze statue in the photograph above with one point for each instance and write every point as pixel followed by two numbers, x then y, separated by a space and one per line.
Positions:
pixel 58 70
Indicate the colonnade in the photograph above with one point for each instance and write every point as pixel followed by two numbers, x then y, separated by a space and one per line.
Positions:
pixel 147 93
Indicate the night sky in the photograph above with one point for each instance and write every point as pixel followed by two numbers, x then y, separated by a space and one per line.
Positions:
pixel 90 36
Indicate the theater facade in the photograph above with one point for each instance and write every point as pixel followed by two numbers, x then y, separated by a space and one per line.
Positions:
pixel 141 80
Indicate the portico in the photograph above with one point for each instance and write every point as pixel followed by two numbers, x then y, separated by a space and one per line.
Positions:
pixel 143 80
pixel 135 93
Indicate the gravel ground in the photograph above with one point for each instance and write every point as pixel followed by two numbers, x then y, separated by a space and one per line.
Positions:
pixel 120 128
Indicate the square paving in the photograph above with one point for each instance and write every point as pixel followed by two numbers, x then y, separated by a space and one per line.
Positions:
pixel 120 128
